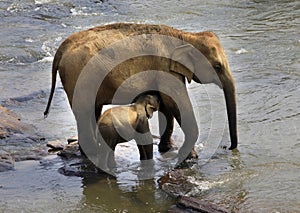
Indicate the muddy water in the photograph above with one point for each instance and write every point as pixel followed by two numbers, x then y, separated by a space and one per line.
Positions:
pixel 261 39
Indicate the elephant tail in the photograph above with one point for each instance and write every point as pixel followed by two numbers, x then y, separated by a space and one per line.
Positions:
pixel 56 61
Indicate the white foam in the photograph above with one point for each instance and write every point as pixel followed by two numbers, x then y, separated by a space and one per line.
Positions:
pixel 29 40
pixel 201 185
pixel 46 59
pixel 42 1
pixel 80 12
pixel 241 51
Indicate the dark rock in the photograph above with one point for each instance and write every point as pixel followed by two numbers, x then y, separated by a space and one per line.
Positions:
pixel 71 140
pixel 70 151
pixel 178 184
pixel 190 204
pixel 75 164
pixel 80 167
pixel 175 183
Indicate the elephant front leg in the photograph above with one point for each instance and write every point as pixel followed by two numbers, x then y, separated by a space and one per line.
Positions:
pixel 178 104
pixel 145 145
pixel 166 125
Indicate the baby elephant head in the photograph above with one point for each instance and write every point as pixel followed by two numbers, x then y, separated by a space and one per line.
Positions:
pixel 150 103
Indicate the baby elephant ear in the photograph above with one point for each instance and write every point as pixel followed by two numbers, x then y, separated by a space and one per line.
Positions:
pixel 183 62
pixel 151 105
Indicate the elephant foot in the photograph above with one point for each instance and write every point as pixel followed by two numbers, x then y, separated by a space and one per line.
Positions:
pixel 166 145
pixel 193 155
pixel 189 161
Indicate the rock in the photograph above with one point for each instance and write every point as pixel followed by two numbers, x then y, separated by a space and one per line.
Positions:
pixel 175 183
pixel 72 139
pixel 178 183
pixel 55 145
pixel 190 204
pixel 6 161
pixel 20 140
pixel 11 124
pixel 29 154
pixel 76 164
pixel 70 151
pixel 80 167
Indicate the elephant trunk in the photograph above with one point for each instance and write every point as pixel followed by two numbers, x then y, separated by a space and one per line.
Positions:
pixel 230 98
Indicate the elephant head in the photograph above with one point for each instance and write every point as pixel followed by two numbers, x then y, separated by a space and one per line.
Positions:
pixel 150 103
pixel 210 66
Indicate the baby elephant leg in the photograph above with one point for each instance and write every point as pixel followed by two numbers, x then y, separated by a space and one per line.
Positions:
pixel 146 151
pixel 145 145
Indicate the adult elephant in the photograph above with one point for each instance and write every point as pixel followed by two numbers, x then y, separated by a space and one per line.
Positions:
pixel 77 50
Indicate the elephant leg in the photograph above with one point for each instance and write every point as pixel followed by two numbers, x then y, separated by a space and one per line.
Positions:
pixel 176 101
pixel 145 145
pixel 189 127
pixel 146 151
pixel 166 125
pixel 98 111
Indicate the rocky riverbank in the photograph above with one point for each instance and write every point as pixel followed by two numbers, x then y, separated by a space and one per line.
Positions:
pixel 18 141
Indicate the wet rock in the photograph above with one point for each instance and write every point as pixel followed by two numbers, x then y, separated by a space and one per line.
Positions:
pixel 76 164
pixel 175 183
pixel 190 204
pixel 29 154
pixel 55 145
pixel 6 161
pixel 11 124
pixel 80 167
pixel 178 183
pixel 70 151
pixel 72 139
pixel 19 140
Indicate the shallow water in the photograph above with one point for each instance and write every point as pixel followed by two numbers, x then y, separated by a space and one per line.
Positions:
pixel 261 39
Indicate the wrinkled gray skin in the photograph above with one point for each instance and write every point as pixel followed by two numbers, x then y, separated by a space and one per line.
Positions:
pixel 75 52
pixel 124 123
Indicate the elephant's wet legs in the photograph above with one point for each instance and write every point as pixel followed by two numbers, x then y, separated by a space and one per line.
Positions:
pixel 98 111
pixel 182 110
pixel 146 152
pixel 166 125
pixel 191 132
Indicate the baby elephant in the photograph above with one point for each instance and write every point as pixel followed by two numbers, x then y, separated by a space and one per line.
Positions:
pixel 124 123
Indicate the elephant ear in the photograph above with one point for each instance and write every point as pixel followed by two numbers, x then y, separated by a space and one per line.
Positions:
pixel 152 105
pixel 183 62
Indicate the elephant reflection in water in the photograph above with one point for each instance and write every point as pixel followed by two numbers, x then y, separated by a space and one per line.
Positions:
pixel 124 123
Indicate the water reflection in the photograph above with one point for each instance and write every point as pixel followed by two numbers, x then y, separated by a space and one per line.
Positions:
pixel 108 194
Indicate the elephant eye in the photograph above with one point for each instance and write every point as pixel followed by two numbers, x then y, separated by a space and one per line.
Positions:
pixel 218 67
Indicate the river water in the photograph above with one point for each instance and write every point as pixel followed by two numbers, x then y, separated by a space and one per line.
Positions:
pixel 261 39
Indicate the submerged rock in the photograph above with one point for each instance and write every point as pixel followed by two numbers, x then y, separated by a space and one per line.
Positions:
pixel 175 183
pixel 190 204
pixel 75 163
pixel 179 183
